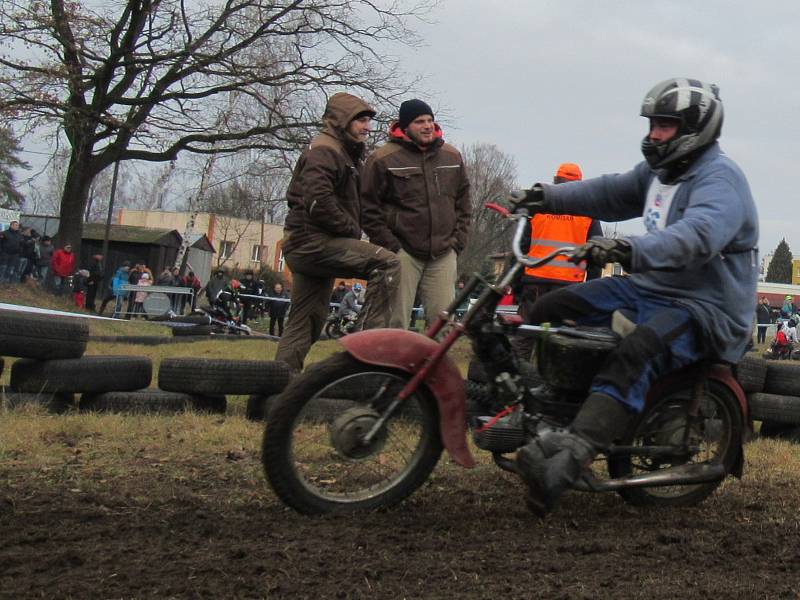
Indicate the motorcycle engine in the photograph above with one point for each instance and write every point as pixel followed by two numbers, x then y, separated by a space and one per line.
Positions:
pixel 505 435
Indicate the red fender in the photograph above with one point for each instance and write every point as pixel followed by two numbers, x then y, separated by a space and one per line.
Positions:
pixel 406 351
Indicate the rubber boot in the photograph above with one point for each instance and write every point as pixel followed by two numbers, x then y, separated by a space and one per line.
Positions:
pixel 554 461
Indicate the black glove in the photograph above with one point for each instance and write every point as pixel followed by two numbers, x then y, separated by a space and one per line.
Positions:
pixel 601 251
pixel 532 200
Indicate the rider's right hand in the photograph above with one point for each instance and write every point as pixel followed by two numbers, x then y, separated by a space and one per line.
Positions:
pixel 532 200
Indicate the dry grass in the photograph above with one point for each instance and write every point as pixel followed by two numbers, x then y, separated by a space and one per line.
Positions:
pixel 104 450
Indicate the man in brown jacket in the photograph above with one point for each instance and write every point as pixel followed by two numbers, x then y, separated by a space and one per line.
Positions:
pixel 322 231
pixel 416 203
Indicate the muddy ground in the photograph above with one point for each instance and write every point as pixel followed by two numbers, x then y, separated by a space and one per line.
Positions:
pixel 211 528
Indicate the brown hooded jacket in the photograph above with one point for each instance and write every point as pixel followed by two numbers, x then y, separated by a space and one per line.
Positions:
pixel 323 195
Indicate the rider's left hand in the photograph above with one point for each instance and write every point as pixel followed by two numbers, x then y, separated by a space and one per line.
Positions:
pixel 532 200
pixel 600 251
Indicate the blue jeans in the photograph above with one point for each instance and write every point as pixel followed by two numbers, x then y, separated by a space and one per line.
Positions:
pixel 665 339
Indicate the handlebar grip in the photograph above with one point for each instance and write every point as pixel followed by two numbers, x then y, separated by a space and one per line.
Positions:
pixel 498 208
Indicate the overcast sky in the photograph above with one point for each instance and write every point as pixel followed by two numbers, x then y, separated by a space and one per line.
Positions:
pixel 562 81
pixel 551 81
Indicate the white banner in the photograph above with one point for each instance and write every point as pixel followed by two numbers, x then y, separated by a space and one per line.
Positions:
pixel 6 216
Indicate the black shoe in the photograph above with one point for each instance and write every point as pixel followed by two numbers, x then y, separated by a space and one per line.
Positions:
pixel 554 460
pixel 550 465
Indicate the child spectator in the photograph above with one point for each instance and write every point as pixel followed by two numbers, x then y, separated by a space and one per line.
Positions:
pixel 141 296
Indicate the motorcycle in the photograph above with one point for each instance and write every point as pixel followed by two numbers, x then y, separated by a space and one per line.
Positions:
pixel 337 325
pixel 365 428
pixel 220 318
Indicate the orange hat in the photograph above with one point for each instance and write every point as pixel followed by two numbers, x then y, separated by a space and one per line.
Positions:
pixel 570 171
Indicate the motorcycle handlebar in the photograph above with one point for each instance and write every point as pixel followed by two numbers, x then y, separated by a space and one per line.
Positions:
pixel 522 222
pixel 520 214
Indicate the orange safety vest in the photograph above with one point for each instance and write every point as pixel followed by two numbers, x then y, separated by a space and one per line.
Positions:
pixel 549 232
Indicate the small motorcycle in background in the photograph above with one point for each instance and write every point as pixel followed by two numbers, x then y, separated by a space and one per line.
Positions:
pixel 338 326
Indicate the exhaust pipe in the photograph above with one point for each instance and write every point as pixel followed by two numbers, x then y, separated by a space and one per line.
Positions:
pixel 683 475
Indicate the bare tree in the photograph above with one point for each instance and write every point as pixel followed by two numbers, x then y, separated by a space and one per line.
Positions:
pixel 146 79
pixel 10 197
pixel 492 175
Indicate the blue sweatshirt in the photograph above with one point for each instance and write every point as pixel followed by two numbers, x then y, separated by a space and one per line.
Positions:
pixel 705 258
pixel 120 279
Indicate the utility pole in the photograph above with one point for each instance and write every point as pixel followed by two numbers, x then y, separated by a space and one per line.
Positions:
pixel 107 233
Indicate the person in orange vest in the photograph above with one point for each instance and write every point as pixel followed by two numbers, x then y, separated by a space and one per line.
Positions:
pixel 549 232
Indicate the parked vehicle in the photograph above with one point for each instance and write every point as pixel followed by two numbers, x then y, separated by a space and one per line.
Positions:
pixel 365 428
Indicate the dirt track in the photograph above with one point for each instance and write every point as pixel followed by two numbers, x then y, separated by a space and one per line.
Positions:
pixel 219 532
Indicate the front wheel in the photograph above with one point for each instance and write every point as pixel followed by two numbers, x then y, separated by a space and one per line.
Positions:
pixel 332 330
pixel 714 436
pixel 315 455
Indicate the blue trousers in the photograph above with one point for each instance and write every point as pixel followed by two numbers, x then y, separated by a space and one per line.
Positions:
pixel 665 339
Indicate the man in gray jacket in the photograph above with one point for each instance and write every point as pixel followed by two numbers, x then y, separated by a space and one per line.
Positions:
pixel 693 273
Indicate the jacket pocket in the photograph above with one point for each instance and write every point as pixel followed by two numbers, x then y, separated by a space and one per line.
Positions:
pixel 407 183
pixel 448 180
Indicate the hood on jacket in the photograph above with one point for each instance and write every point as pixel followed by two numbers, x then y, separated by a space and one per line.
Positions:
pixel 395 133
pixel 343 108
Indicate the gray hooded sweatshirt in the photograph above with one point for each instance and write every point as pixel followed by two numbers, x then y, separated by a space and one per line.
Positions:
pixel 706 256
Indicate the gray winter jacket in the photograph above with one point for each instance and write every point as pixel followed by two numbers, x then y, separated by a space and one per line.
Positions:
pixel 705 258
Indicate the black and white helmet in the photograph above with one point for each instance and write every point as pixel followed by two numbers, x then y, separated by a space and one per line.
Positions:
pixel 698 108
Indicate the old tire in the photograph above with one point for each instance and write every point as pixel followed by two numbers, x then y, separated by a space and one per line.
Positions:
pixel 775 408
pixel 318 466
pixel 53 403
pixel 783 378
pixel 751 373
pixel 30 335
pixel 258 407
pixel 193 319
pixel 212 376
pixel 780 431
pixel 89 374
pixel 151 401
pixel 192 330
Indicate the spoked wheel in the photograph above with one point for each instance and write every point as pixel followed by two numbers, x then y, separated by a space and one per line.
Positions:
pixel 332 330
pixel 712 437
pixel 315 453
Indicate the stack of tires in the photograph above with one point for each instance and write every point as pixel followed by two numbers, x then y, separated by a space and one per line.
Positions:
pixel 212 379
pixel 773 393
pixel 52 367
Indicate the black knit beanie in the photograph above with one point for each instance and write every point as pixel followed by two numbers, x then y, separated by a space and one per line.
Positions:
pixel 411 109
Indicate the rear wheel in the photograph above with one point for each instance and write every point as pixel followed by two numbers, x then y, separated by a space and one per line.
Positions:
pixel 314 453
pixel 713 437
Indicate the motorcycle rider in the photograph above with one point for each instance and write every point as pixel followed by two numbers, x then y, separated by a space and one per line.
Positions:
pixel 693 274
pixel 249 287
pixel 350 307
